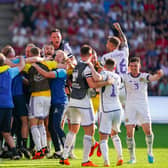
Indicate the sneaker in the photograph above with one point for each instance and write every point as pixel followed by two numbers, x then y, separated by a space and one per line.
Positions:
pixel 90 164
pixel 16 156
pixel 45 150
pixel 72 156
pixel 99 151
pixel 32 151
pixel 25 152
pixel 38 155
pixel 151 159
pixel 119 162
pixel 6 155
pixel 132 161
pixel 93 149
pixel 64 161
pixel 54 156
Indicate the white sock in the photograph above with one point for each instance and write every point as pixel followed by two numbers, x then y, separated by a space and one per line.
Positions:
pixel 104 150
pixel 68 143
pixel 43 135
pixel 131 147
pixel 149 142
pixel 36 137
pixel 117 144
pixel 87 144
pixel 73 146
pixel 49 145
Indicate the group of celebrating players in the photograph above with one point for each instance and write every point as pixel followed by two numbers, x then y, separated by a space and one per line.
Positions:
pixel 40 90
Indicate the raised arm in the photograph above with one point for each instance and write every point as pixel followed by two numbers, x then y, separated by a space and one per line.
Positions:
pixel 120 34
pixel 156 76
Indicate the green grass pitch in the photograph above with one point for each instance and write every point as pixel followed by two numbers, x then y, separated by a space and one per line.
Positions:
pixel 160 152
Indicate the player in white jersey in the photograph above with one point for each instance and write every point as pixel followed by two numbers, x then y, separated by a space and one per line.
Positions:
pixel 117 48
pixel 111 110
pixel 137 109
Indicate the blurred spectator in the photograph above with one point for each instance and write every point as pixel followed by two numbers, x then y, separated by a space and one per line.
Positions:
pixel 163 87
pixel 89 21
pixel 28 10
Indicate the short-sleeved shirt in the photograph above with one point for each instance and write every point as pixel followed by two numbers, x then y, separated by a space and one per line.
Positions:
pixel 110 93
pixel 121 59
pixel 57 86
pixel 6 77
pixel 136 88
pixel 17 83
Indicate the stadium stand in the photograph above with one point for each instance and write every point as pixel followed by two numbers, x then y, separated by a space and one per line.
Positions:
pixel 89 21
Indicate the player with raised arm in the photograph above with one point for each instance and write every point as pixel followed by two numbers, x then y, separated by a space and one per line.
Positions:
pixel 117 48
pixel 137 107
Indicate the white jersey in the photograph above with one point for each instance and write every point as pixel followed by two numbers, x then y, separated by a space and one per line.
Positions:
pixel 136 88
pixel 86 101
pixel 121 58
pixel 110 93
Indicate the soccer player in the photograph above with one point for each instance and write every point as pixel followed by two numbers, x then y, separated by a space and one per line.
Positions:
pixel 6 103
pixel 28 48
pixel 59 101
pixel 137 108
pixel 39 102
pixel 118 50
pixel 81 110
pixel 20 111
pixel 60 44
pixel 48 51
pixel 94 93
pixel 111 110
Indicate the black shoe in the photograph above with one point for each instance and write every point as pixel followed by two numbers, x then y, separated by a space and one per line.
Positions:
pixel 25 152
pixel 54 156
pixel 6 155
pixel 20 153
pixel 16 156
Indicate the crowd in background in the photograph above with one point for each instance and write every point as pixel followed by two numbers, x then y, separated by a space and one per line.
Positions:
pixel 144 22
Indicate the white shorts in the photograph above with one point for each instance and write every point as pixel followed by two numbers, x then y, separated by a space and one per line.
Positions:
pixel 137 114
pixel 39 107
pixel 111 120
pixel 82 116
